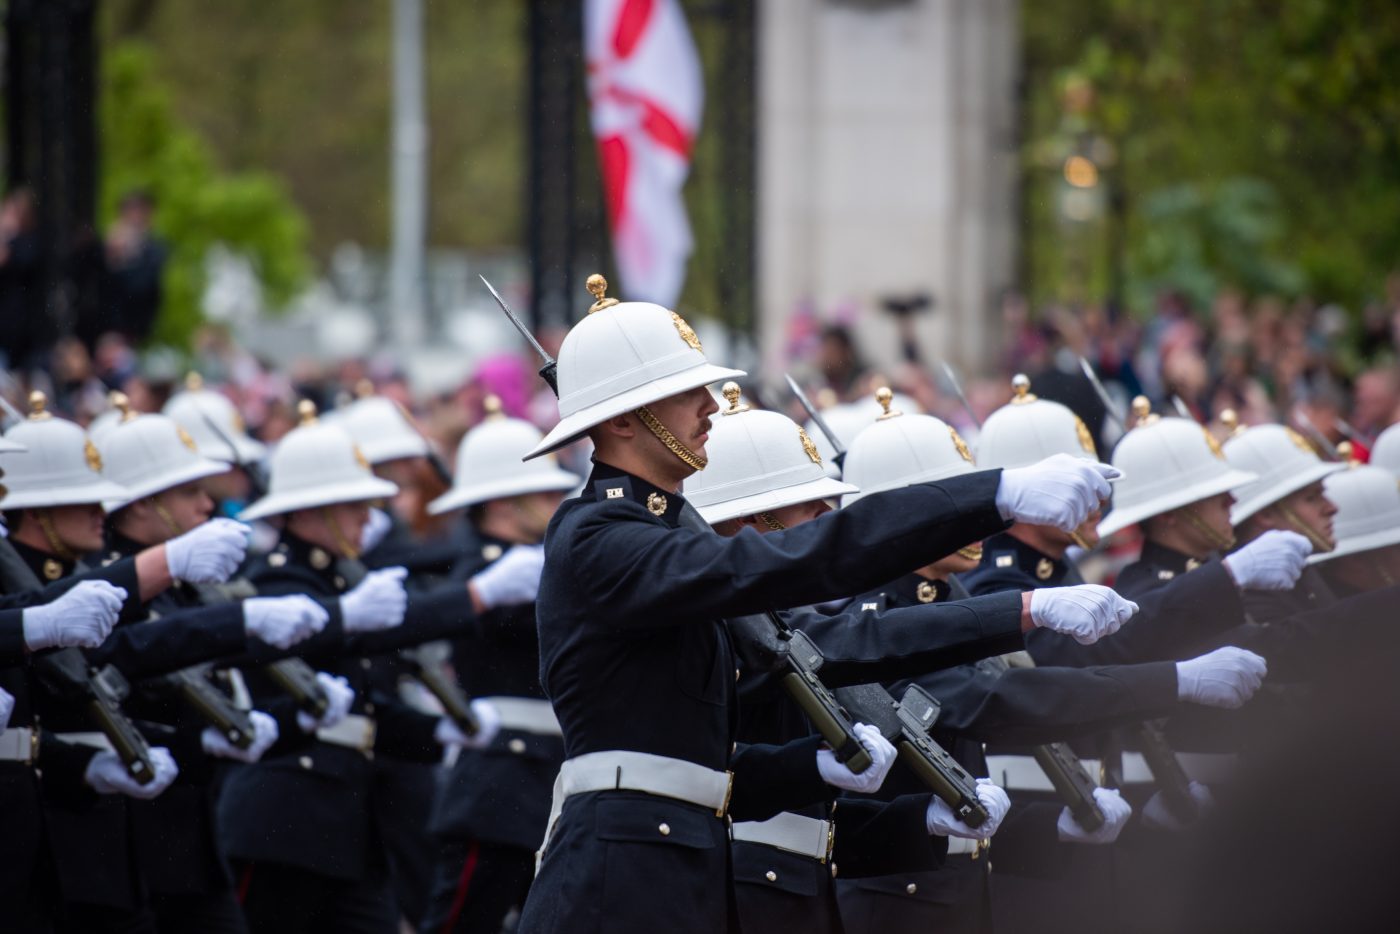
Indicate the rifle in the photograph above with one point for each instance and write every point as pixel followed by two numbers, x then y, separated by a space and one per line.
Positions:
pixel 1170 777
pixel 434 676
pixel 766 638
pixel 213 705
pixel 298 680
pixel 67 673
pixel 906 724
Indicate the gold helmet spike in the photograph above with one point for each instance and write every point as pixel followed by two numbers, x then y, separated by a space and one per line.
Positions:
pixel 194 382
pixel 38 406
pixel 597 287
pixel 1346 453
pixel 885 396
pixel 306 412
pixel 731 393
pixel 1231 420
pixel 122 404
pixel 1142 411
pixel 1021 386
pixel 491 406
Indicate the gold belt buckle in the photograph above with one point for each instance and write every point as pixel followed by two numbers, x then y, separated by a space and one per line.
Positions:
pixel 723 809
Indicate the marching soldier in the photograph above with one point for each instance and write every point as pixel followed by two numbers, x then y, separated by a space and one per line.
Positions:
pixel 218 431
pixel 490 812
pixel 1366 528
pixel 633 656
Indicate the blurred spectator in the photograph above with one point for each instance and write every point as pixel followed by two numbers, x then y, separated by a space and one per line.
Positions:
pixel 21 301
pixel 131 293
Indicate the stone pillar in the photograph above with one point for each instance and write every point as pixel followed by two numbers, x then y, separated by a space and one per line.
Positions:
pixel 887 148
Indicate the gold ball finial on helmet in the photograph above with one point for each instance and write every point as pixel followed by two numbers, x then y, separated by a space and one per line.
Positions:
pixel 38 406
pixel 491 406
pixel 194 382
pixel 1346 453
pixel 597 286
pixel 1231 420
pixel 1142 411
pixel 885 396
pixel 122 404
pixel 731 393
pixel 306 412
pixel 1021 386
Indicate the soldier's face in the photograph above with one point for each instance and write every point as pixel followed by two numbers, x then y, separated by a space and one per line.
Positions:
pixel 1308 509
pixel 795 515
pixel 188 505
pixel 533 512
pixel 687 415
pixel 403 471
pixel 230 486
pixel 78 528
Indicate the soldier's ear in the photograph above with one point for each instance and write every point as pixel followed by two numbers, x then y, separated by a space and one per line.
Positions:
pixel 620 426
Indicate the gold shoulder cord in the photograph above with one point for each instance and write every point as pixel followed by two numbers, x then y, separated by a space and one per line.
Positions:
pixel 673 444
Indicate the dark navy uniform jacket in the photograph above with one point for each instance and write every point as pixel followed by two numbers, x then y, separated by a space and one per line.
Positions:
pixel 634 656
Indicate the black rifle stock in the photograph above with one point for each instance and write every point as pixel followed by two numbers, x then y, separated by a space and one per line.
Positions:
pixel 298 681
pixel 906 724
pixel 68 674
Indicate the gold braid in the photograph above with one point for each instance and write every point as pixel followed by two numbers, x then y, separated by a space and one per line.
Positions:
pixel 56 545
pixel 663 434
pixel 1222 542
pixel 347 550
pixel 771 521
pixel 1320 544
pixel 165 516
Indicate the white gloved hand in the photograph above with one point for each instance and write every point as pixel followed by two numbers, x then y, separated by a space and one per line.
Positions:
pixel 448 733
pixel 1226 677
pixel 208 554
pixel 375 529
pixel 1061 491
pixel 1272 561
pixel 1087 612
pixel 283 621
pixel 339 694
pixel 264 735
pixel 82 617
pixel 7 707
pixel 108 776
pixel 942 822
pixel 838 775
pixel 513 579
pixel 377 602
pixel 1156 813
pixel 1115 810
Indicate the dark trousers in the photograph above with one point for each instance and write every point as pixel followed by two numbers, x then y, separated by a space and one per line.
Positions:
pixel 280 899
pixel 208 913
pixel 475 886
pixel 78 918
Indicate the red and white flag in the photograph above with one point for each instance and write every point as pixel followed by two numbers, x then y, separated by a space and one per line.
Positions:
pixel 646 89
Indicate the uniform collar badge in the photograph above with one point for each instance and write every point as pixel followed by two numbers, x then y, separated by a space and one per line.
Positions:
pixel 1192 564
pixel 320 559
pixel 613 492
pixel 1005 561
pixel 53 569
pixel 1165 574
pixel 656 504
pixel 1044 568
pixel 926 592
pixel 491 552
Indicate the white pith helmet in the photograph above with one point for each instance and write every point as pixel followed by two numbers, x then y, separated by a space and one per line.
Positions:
pixel 213 423
pixel 1283 460
pixel 316 465
pixel 1368 510
pixel 60 465
pixel 146 454
pixel 1386 451
pixel 759 461
pixel 898 450
pixel 488 464
pixel 620 357
pixel 1167 463
pixel 1029 429
pixel 381 428
pixel 851 418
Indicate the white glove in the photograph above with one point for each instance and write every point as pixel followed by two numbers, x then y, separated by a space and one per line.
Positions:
pixel 264 735
pixel 108 776
pixel 513 579
pixel 1115 810
pixel 882 756
pixel 377 602
pixel 1227 677
pixel 283 621
pixel 1061 491
pixel 339 694
pixel 942 823
pixel 1156 813
pixel 1087 612
pixel 82 617
pixel 448 733
pixel 375 529
pixel 208 554
pixel 1272 561
pixel 7 707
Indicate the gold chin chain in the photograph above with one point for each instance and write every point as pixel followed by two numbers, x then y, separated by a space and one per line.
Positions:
pixel 347 550
pixel 62 551
pixel 771 521
pixel 971 552
pixel 1320 544
pixel 166 517
pixel 663 434
pixel 1221 542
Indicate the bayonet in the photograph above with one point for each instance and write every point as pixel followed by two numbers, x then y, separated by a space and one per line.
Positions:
pixel 1181 407
pixel 956 386
pixel 548 371
pixel 817 420
pixel 1316 434
pixel 1109 406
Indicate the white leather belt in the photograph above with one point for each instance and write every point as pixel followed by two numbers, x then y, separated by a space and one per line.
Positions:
pixel 95 740
pixel 527 714
pixel 1209 768
pixel 962 846
pixel 624 770
pixel 354 732
pixel 1023 773
pixel 19 744
pixel 805 836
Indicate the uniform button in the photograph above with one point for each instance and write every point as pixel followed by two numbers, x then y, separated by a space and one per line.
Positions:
pixel 665 830
pixel 517 746
pixel 339 582
pixel 365 663
pixel 833 870
pixel 369 709
pixel 911 888
pixel 736 674
pixel 304 762
pixel 771 876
